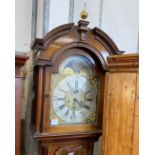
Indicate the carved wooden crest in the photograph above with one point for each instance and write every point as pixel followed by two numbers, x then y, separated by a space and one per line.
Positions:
pixel 96 42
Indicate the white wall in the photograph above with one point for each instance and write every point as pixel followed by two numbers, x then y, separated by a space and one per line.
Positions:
pixel 23 17
pixel 118 18
pixel 93 8
pixel 58 13
pixel 40 12
pixel 120 22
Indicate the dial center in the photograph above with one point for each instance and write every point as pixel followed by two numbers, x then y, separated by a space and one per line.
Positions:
pixel 74 100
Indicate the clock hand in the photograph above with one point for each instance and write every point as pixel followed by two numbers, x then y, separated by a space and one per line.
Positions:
pixel 71 89
pixel 62 90
pixel 74 115
pixel 67 112
pixel 73 111
pixel 81 104
pixel 84 105
pixel 76 83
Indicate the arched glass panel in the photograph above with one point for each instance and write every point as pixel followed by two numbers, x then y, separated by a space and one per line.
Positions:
pixel 77 65
pixel 74 92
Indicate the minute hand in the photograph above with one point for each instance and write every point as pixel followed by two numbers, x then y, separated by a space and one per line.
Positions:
pixel 81 104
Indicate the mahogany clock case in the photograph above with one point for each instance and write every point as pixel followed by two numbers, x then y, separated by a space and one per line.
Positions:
pixel 49 52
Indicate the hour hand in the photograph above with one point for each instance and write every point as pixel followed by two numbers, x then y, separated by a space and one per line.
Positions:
pixel 69 86
pixel 71 89
pixel 84 105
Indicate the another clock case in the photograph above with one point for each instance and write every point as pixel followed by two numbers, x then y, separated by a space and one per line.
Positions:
pixel 50 52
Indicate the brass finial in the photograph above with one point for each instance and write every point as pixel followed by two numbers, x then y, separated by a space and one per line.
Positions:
pixel 84 13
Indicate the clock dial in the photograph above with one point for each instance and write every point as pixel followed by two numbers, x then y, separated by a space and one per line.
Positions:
pixel 74 99
pixel 74 92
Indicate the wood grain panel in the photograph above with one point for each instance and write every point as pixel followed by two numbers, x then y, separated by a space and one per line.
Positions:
pixel 119 113
pixel 135 149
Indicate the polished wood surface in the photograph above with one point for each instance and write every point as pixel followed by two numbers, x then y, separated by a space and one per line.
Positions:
pixel 120 130
pixel 135 140
pixel 40 99
pixel 19 62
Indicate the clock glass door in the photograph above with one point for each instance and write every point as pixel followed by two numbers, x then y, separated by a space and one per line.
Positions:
pixel 74 90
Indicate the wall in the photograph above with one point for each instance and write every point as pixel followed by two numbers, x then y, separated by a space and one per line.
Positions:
pixel 118 18
pixel 23 18
pixel 120 21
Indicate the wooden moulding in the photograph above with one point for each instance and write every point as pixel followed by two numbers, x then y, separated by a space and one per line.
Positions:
pixel 77 33
pixel 40 44
pixel 106 41
pixel 19 62
pixel 123 63
pixel 94 135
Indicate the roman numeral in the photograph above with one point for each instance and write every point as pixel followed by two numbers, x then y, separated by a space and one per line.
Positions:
pixel 55 98
pixel 82 113
pixel 86 107
pixel 62 106
pixel 67 112
pixel 74 115
pixel 76 83
pixel 89 99
pixel 60 99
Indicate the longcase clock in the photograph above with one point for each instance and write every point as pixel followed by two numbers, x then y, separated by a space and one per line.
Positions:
pixel 70 66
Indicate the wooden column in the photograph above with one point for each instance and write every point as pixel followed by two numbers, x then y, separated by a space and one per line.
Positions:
pixel 19 62
pixel 120 123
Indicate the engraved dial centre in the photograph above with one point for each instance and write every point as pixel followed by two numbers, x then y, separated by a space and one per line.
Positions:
pixel 74 99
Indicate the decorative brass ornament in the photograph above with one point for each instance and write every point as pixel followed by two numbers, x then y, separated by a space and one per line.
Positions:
pixel 84 14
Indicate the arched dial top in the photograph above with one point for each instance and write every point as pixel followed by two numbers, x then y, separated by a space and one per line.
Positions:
pixel 77 64
pixel 74 92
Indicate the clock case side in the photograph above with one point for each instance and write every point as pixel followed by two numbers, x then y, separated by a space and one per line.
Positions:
pixel 53 47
